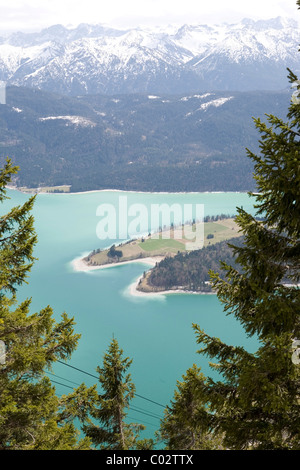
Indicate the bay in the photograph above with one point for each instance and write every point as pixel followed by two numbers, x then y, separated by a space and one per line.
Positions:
pixel 155 331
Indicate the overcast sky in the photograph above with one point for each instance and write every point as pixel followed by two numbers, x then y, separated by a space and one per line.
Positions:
pixel 34 15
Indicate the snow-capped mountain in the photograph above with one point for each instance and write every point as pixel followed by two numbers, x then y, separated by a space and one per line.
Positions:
pixel 97 59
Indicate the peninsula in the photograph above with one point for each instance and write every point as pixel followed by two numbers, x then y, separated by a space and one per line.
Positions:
pixel 164 251
pixel 159 245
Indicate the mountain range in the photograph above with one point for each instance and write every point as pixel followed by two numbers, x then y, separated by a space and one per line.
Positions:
pixel 95 59
pixel 157 109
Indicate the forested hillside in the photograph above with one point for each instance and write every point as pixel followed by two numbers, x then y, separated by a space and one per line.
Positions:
pixel 134 142
pixel 190 270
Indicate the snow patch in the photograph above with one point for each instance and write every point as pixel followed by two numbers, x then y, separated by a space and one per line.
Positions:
pixel 76 120
pixel 186 98
pixel 217 102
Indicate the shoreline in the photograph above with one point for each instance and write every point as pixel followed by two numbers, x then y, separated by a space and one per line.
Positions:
pixel 132 290
pixel 79 265
pixel 36 191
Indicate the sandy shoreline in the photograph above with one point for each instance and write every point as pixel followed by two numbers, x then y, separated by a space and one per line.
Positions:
pixel 34 190
pixel 137 293
pixel 78 264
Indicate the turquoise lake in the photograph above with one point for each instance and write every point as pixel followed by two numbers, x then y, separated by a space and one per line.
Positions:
pixel 156 332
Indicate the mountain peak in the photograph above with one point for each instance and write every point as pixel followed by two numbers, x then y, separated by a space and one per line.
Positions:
pixel 277 23
pixel 251 54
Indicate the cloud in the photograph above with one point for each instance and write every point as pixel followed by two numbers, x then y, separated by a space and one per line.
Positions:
pixel 21 16
pixel 35 15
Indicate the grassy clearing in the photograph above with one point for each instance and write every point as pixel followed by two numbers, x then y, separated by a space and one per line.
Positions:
pixel 161 244
pixel 151 247
pixel 221 230
pixel 213 227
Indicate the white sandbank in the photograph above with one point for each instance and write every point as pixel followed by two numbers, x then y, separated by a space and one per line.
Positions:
pixel 63 193
pixel 132 290
pixel 78 264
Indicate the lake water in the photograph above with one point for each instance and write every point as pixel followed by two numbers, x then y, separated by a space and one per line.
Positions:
pixel 156 332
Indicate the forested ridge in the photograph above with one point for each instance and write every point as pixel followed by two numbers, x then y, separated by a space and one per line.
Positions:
pixel 134 142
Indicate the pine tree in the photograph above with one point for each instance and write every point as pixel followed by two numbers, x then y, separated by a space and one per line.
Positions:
pixel 17 238
pixel 30 412
pixel 184 425
pixel 255 401
pixel 109 410
pixel 256 405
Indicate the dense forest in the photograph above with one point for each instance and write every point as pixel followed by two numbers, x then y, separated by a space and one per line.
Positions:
pixel 190 270
pixel 134 142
